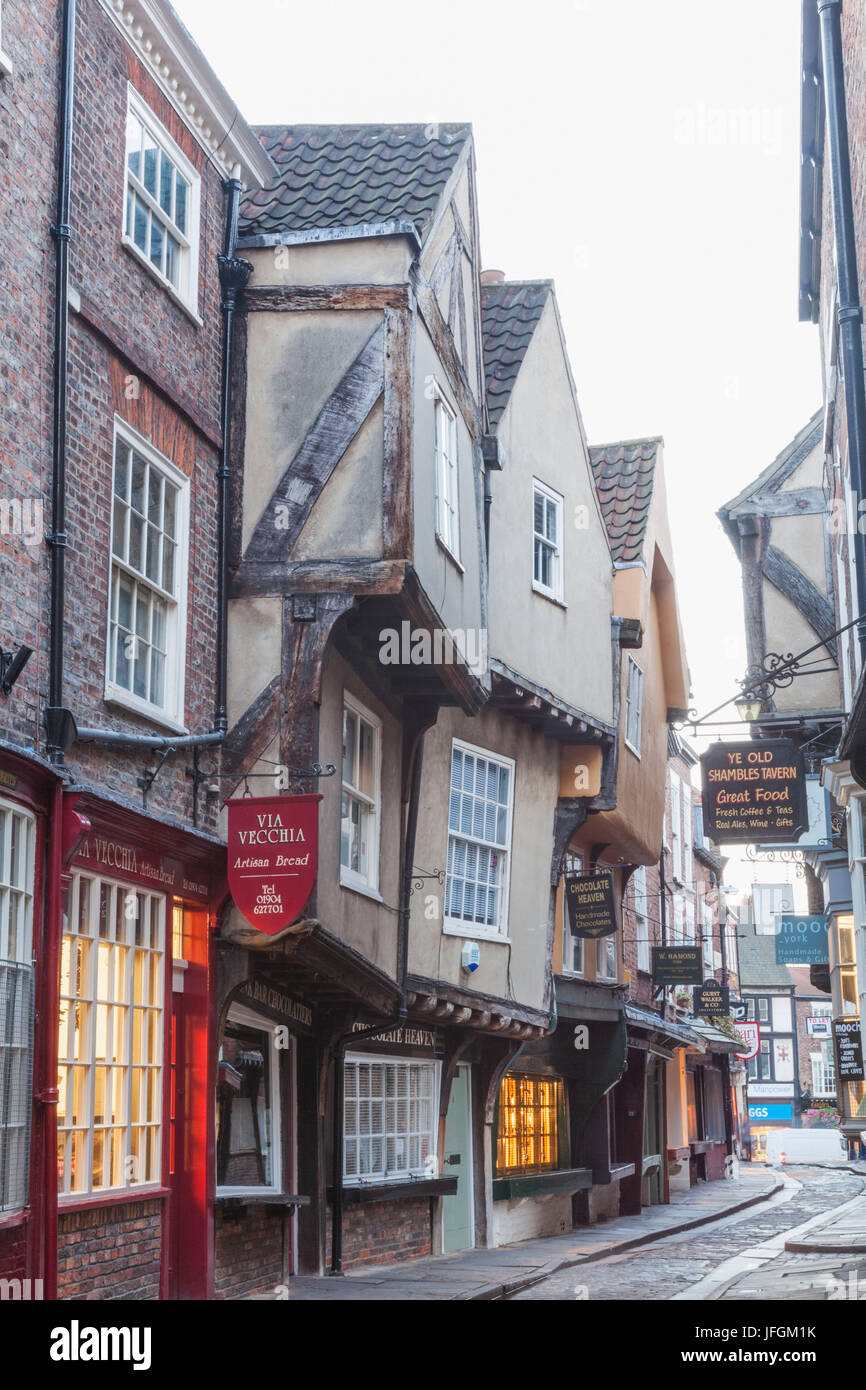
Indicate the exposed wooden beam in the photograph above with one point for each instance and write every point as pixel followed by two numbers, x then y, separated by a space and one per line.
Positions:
pixel 297 298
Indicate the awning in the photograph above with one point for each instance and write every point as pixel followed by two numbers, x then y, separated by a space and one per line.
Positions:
pixel 716 1040
pixel 663 1030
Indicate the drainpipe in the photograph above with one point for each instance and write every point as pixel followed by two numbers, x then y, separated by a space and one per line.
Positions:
pixel 234 272
pixel 57 536
pixel 339 1049
pixel 850 312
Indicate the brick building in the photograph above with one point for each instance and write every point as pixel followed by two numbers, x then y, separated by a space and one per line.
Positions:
pixel 124 158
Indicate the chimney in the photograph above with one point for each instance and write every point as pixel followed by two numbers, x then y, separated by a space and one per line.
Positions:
pixel 493 277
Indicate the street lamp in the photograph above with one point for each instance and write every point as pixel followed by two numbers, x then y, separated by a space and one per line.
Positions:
pixel 748 707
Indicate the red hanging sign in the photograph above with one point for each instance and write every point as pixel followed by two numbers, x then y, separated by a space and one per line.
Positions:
pixel 273 854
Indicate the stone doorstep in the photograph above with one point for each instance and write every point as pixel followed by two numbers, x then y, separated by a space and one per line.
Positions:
pixel 830 1237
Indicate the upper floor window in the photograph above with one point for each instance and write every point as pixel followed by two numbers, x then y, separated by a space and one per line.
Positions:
pixel 147 603
pixel 688 864
pixel 633 705
pixel 447 480
pixel 676 827
pixel 605 957
pixel 707 924
pixel 162 203
pixel 547 509
pixel 572 946
pixel 479 841
pixel 641 914
pixel 359 827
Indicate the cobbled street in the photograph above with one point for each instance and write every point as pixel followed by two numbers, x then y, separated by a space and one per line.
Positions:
pixel 690 1265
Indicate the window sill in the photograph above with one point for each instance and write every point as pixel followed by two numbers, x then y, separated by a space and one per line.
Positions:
pixel 252 1197
pixel 473 933
pixel 363 888
pixel 546 593
pixel 394 1190
pixel 444 546
pixel 631 748
pixel 537 1184
pixel 114 696
pixel 94 1201
pixel 129 245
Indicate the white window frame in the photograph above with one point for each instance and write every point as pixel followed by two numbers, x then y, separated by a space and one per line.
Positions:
pixel 350 878
pixel 556 590
pixel 248 1018
pixel 6 66
pixel 171 714
pixel 573 947
pixel 446 460
pixel 16 969
pixel 186 293
pixel 688 834
pixel 642 924
pixel 690 922
pixel 708 924
pixel 676 828
pixel 453 926
pixel 408 1175
pixel 679 915
pixel 606 962
pixel 633 706
pixel 88 998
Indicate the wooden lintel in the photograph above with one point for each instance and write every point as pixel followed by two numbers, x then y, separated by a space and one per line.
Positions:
pixel 297 298
pixel 397 489
pixel 314 576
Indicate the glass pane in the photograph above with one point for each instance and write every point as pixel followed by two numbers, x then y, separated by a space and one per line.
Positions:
pixel 350 734
pixel 151 158
pixel 138 471
pixel 182 189
pixel 168 549
pixel 165 180
pixel 156 242
pixel 133 145
pixel 366 771
pixel 170 515
pixel 154 496
pixel 152 558
pixel 139 233
pixel 172 260
pixel 538 513
pixel 136 540
pixel 157 678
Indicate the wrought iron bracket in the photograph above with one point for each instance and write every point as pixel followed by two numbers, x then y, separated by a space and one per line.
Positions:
pixel 420 877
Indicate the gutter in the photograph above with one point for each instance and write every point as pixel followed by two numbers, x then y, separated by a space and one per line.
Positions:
pixel 57 536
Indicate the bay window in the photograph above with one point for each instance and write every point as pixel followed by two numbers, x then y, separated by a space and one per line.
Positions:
pixel 110 1045
pixel 531 1124
pixel 17 855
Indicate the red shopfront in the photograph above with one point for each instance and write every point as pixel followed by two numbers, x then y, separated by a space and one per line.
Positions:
pixel 135 1119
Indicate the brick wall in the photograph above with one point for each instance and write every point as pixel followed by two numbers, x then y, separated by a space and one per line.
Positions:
pixel 381 1233
pixel 13 1252
pixel 248 1252
pixel 110 1253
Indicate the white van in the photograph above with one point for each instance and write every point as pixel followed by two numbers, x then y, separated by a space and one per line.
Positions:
pixel 805 1146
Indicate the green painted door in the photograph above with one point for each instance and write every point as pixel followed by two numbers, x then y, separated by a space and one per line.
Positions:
pixel 458 1224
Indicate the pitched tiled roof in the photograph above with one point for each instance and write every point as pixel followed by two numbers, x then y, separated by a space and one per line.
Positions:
pixel 757 956
pixel 510 311
pixel 342 176
pixel 624 478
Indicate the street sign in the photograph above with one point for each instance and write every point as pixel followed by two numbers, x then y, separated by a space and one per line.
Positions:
pixel 754 793
pixel 751 1035
pixel 849 1049
pixel 677 965
pixel 591 904
pixel 801 940
pixel 273 846
pixel 710 999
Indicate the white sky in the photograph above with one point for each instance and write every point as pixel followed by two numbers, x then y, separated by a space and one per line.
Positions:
pixel 643 155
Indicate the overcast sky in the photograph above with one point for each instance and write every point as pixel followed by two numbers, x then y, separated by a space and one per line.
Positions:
pixel 645 157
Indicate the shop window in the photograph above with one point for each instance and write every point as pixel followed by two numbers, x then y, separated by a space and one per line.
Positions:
pixel 360 808
pixel 147 600
pixel 479 841
pixel 248 1105
pixel 531 1125
pixel 390 1119
pixel 714 1109
pixel 572 946
pixel 110 1073
pixel 162 199
pixel 17 852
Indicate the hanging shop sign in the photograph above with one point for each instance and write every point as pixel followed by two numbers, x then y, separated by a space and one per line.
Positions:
pixel 751 1035
pixel 677 965
pixel 801 940
pixel 710 999
pixel 739 1010
pixel 754 793
pixel 273 847
pixel 849 1049
pixel 591 905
